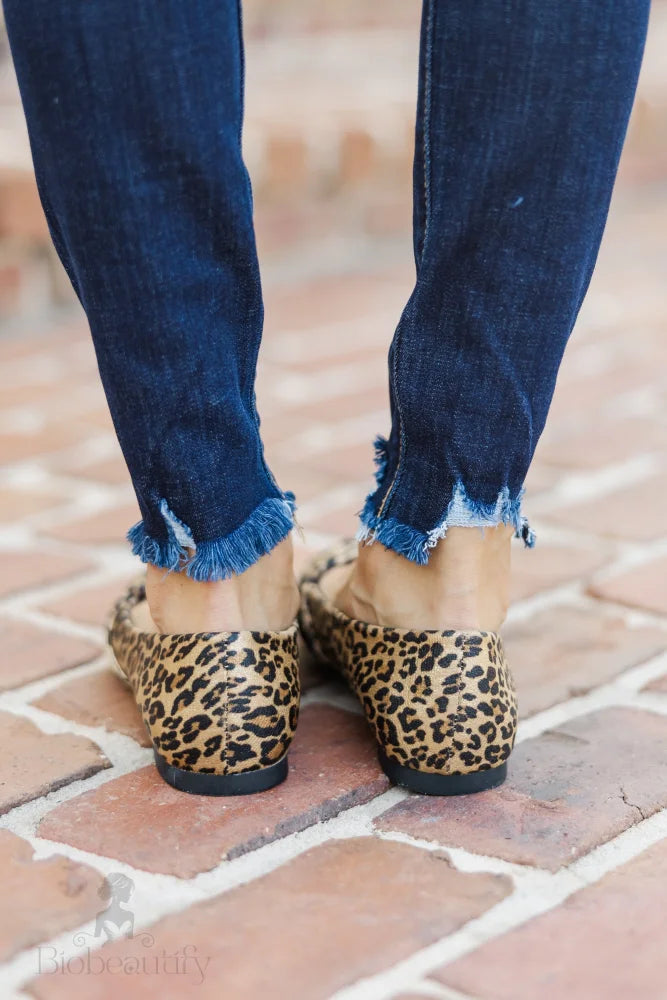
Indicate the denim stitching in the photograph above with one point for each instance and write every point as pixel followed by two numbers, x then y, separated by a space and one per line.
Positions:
pixel 239 11
pixel 426 154
pixel 426 150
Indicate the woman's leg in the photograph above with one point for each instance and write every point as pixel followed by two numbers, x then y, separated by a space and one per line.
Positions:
pixel 522 112
pixel 135 113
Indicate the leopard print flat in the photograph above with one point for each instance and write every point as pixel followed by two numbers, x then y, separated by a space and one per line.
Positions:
pixel 220 707
pixel 441 704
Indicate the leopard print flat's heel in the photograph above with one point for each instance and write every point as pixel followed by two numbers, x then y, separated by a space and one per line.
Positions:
pixel 220 708
pixel 440 703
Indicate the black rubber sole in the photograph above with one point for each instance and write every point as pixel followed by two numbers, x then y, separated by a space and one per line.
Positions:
pixel 426 783
pixel 197 783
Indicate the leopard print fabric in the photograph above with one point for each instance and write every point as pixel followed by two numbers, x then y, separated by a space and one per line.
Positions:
pixel 440 702
pixel 215 703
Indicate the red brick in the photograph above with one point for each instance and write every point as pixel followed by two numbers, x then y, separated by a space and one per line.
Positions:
pixel 17 447
pixel 278 425
pixel 25 570
pixel 373 358
pixel 92 605
pixel 30 652
pixel 547 566
pixel 305 482
pixel 540 478
pixel 21 213
pixel 12 281
pixel 107 526
pixel 100 699
pixel 354 462
pixel 285 166
pixel 39 394
pixel 373 399
pixel 595 444
pixel 357 157
pixel 110 470
pixel 390 215
pixel 48 896
pixel 644 587
pixel 606 941
pixel 336 298
pixel 107 470
pixel 341 521
pixel 564 652
pixel 337 913
pixel 659 685
pixel 577 399
pixel 34 763
pixel 636 512
pixel 569 790
pixel 139 819
pixel 17 503
pixel 100 418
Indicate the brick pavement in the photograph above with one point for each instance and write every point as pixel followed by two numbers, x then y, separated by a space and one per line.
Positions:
pixel 334 884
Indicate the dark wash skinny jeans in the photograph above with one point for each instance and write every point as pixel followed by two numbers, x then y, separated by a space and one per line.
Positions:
pixel 135 110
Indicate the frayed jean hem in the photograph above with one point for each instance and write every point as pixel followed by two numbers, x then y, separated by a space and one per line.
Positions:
pixel 462 512
pixel 220 558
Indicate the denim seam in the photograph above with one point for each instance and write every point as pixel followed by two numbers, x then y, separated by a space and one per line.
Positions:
pixel 426 150
pixel 239 11
pixel 426 154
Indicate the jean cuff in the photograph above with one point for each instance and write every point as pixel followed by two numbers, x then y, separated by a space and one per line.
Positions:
pixel 461 511
pixel 219 558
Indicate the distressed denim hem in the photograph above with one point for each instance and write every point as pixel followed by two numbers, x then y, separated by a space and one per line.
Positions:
pixel 415 544
pixel 219 558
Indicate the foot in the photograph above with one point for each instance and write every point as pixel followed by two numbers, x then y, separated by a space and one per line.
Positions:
pixel 263 598
pixel 220 709
pixel 437 692
pixel 465 584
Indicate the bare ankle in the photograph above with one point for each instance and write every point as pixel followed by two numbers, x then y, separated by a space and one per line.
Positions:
pixel 465 584
pixel 264 597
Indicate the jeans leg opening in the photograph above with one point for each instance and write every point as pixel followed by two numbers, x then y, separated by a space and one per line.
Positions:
pixel 416 543
pixel 219 558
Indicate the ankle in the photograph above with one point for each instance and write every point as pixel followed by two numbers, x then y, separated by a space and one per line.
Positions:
pixel 263 598
pixel 465 584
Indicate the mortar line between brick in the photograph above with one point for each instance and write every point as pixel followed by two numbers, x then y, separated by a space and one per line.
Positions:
pixel 522 905
pixel 126 755
pixel 528 898
pixel 158 895
pixel 29 692
pixel 429 988
pixel 27 599
pixel 579 487
pixel 468 861
pixel 575 595
pixel 65 626
pixel 613 694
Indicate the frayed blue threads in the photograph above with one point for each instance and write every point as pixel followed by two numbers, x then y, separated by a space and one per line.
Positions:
pixel 262 530
pixel 401 538
pixel 463 512
pixel 167 554
pixel 526 533
pixel 380 458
